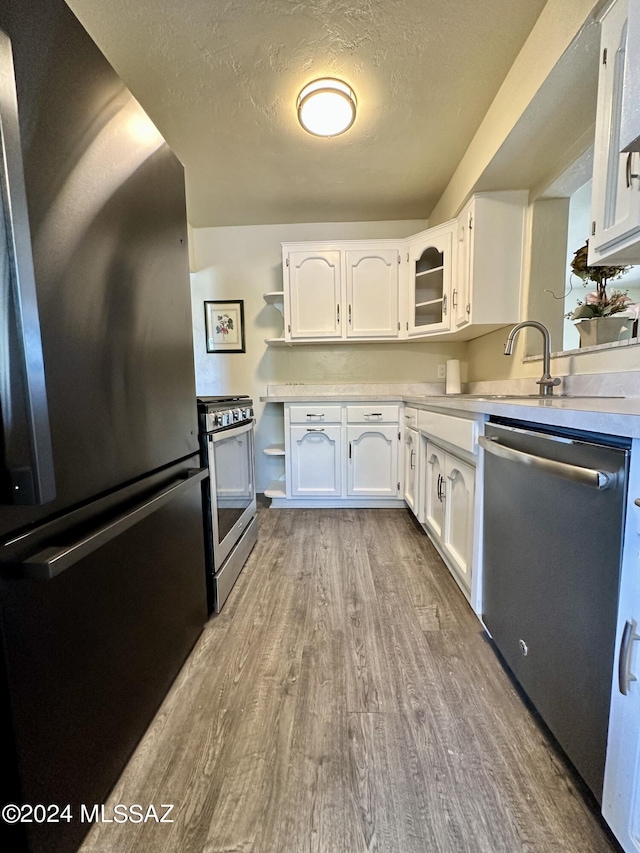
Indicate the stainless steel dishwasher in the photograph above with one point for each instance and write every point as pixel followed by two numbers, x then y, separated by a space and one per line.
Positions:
pixel 554 504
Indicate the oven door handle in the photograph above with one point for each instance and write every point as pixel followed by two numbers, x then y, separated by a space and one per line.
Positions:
pixel 54 560
pixel 231 430
pixel 575 473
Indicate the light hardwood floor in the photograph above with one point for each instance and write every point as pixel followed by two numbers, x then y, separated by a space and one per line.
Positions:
pixel 347 700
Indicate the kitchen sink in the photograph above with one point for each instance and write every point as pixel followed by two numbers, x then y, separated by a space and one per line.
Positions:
pixel 538 397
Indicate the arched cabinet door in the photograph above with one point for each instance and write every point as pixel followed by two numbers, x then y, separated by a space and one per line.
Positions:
pixel 457 539
pixel 315 284
pixel 433 490
pixel 429 257
pixel 315 461
pixel 372 461
pixel 411 475
pixel 372 293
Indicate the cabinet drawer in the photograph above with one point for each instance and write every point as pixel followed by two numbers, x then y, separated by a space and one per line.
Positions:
pixel 311 413
pixel 372 413
pixel 461 432
pixel 411 418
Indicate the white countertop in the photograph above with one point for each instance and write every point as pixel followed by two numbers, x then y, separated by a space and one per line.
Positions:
pixel 603 415
pixel 609 415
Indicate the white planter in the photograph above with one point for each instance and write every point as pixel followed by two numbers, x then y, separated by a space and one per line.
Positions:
pixel 601 330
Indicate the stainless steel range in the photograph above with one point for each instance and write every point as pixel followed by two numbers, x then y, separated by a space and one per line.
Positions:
pixel 229 495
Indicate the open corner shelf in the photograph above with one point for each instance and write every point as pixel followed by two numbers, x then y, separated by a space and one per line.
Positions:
pixel 276 489
pixel 274 450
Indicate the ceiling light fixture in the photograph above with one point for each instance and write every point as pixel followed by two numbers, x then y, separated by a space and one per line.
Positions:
pixel 326 107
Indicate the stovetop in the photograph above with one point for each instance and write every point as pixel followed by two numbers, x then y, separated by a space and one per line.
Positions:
pixel 215 413
pixel 212 404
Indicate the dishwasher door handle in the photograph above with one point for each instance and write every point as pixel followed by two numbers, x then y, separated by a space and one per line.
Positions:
pixel 575 473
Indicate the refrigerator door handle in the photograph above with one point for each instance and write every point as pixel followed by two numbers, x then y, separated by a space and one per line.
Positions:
pixel 29 473
pixel 52 561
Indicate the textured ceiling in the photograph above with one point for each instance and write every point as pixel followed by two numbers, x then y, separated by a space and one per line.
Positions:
pixel 220 80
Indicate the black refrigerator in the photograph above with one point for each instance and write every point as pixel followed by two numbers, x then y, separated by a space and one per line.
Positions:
pixel 102 579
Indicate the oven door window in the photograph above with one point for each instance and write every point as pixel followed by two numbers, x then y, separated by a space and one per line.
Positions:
pixel 233 478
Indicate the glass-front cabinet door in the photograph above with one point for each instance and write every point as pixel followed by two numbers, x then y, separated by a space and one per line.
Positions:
pixel 430 281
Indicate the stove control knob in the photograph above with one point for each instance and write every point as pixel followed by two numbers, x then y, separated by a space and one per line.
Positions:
pixel 237 414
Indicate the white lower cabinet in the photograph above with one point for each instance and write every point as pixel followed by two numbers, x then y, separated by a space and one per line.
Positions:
pixel 342 454
pixel 411 470
pixel 458 494
pixel 373 461
pixel 316 453
pixel 449 506
pixel 621 794
pixel 433 501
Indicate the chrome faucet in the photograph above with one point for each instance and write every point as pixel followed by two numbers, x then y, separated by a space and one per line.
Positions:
pixel 546 381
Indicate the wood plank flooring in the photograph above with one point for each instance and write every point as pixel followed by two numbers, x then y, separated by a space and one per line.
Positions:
pixel 347 700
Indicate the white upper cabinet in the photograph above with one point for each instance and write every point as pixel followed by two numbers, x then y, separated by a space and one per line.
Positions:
pixel 341 291
pixel 630 122
pixel 615 202
pixel 315 293
pixel 488 271
pixel 372 292
pixel 429 257
pixel 461 292
pixel 461 277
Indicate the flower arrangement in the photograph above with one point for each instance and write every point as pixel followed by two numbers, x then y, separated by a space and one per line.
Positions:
pixel 224 324
pixel 598 303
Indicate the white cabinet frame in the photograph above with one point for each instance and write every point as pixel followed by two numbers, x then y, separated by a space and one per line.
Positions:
pixel 319 471
pixel 621 794
pixel 347 290
pixel 316 456
pixel 315 294
pixel 372 292
pixel 373 461
pixel 615 199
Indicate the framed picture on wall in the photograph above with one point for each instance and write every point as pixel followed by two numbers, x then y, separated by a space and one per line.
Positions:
pixel 224 325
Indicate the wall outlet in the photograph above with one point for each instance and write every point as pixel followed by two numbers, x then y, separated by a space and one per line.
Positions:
pixel 442 371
